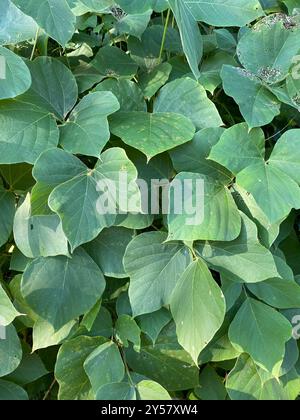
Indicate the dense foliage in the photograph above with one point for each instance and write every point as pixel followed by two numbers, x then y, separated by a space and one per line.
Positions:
pixel 130 305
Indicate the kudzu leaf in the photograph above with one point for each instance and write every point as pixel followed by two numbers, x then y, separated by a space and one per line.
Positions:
pixel 203 311
pixel 53 87
pixel 252 332
pixel 193 156
pixel 15 76
pixel 134 24
pixel 38 236
pixel 187 97
pixel 77 196
pixel 211 386
pixel 44 334
pixel 128 330
pixel 151 289
pixel 50 287
pixel 206 212
pixel 34 132
pixel 73 382
pixel 151 82
pixel 127 92
pixel 279 293
pixel 104 365
pixel 152 133
pixel 121 391
pixel 150 390
pixel 274 191
pixel 153 323
pixel 87 131
pixel 7 213
pixel 18 177
pixel 268 49
pixel 225 12
pixel 108 250
pixel 244 257
pixel 7 310
pixel 238 148
pixel 15 26
pixel 113 62
pixel 54 16
pixel 245 383
pixel 10 351
pixel 190 34
pixel 257 104
pixel 166 362
pixel 98 6
pixel 10 391
pixel 286 156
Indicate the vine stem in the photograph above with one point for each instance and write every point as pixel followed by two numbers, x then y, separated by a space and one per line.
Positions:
pixel 49 390
pixel 35 43
pixel 164 35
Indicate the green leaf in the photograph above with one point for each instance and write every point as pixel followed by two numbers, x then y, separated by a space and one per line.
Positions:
pixel 268 49
pixel 245 383
pixel 18 177
pixel 252 332
pixel 245 257
pixel 15 26
pixel 81 193
pixel 193 156
pixel 54 16
pixel 225 12
pixel 103 325
pixel 7 213
pixel 120 391
pixel 7 310
pixel 286 156
pixel 97 6
pixel 44 334
pixel 50 286
pixel 153 323
pixel 151 82
pixel 10 351
pixel 128 330
pixel 11 392
pixel 152 391
pixel 128 93
pixel 73 382
pixel 257 104
pixel 279 293
pixel 152 133
pixel 113 62
pixel 15 76
pixel 166 362
pixel 206 210
pixel 134 24
pixel 203 312
pixel 34 132
pixel 151 289
pixel 104 365
pixel 274 191
pixel 87 131
pixel 238 148
pixel 187 97
pixel 39 236
pixel 211 386
pixel 48 76
pixel 190 34
pixel 108 250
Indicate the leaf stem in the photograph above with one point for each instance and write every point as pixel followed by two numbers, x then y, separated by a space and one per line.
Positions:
pixel 164 35
pixel 35 43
